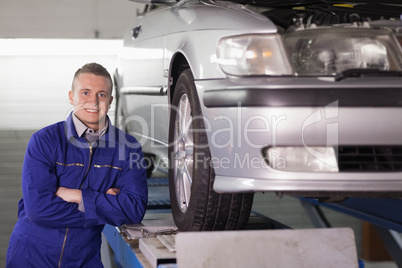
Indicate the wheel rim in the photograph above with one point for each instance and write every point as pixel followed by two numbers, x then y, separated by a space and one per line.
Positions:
pixel 183 149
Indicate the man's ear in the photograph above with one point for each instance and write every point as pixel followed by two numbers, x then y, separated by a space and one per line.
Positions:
pixel 70 97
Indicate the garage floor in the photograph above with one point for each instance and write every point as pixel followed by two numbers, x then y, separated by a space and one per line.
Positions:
pixel 12 148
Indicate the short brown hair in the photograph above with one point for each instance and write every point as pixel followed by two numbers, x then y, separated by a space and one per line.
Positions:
pixel 96 69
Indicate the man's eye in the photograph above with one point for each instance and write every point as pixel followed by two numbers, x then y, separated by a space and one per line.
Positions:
pixel 85 93
pixel 102 95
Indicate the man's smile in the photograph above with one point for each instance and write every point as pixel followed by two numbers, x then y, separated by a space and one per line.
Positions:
pixel 92 110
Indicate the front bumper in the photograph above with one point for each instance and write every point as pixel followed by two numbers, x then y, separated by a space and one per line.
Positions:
pixel 244 116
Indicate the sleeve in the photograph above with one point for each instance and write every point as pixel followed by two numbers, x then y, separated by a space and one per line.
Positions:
pixel 130 204
pixel 39 185
pixel 81 206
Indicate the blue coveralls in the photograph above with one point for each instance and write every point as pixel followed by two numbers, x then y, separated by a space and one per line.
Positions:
pixel 51 232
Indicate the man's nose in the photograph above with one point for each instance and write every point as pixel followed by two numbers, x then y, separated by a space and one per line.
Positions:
pixel 94 99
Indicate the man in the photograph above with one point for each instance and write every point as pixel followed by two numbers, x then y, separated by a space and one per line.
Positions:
pixel 78 175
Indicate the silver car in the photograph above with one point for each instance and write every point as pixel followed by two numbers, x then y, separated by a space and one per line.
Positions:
pixel 298 97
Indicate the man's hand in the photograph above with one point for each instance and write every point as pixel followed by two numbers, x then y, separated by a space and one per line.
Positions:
pixel 113 191
pixel 69 195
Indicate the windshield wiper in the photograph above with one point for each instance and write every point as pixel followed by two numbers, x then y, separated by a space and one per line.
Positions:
pixel 366 73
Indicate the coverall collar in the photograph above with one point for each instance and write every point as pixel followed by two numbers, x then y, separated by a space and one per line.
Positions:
pixel 74 138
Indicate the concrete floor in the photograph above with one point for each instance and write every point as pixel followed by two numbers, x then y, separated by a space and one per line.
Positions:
pixel 12 149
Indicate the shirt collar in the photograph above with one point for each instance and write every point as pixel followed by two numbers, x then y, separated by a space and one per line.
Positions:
pixel 111 135
pixel 81 128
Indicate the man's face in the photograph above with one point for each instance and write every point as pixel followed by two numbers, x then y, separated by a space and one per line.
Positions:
pixel 91 97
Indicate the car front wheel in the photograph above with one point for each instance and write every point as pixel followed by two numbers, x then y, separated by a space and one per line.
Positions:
pixel 195 205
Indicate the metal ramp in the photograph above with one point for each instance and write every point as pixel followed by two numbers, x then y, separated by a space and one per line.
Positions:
pixel 384 214
pixel 154 242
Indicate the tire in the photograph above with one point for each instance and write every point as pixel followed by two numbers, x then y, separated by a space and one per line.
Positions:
pixel 195 205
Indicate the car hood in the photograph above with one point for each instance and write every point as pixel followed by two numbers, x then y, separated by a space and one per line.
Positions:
pixel 304 2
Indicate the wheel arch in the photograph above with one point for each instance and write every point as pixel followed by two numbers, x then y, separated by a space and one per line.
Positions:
pixel 178 64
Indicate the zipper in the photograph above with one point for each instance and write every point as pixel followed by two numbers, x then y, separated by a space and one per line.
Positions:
pixel 69 165
pixel 89 165
pixel 64 244
pixel 109 166
pixel 86 173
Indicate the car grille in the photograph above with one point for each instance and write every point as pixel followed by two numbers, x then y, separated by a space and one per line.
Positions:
pixel 370 158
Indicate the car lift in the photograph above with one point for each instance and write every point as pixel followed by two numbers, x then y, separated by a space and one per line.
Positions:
pixel 158 249
pixel 384 214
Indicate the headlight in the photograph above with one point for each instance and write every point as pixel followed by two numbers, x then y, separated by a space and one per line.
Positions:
pixel 253 55
pixel 394 25
pixel 331 51
pixel 302 159
pixel 321 52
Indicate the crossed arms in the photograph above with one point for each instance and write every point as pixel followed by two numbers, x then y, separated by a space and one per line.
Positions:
pixel 75 195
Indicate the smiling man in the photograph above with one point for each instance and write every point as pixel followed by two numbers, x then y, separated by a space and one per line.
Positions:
pixel 77 176
pixel 91 97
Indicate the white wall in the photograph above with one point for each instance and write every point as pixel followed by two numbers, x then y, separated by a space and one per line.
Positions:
pixel 35 75
pixel 66 18
pixel 34 82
